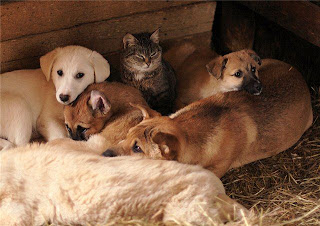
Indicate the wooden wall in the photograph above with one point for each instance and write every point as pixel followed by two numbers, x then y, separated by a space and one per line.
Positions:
pixel 29 29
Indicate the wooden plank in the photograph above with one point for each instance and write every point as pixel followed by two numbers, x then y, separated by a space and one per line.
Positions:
pixel 299 17
pixel 201 39
pixel 34 17
pixel 106 36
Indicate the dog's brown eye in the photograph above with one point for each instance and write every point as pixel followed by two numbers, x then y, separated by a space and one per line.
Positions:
pixel 238 74
pixel 253 69
pixel 60 72
pixel 136 148
pixel 80 75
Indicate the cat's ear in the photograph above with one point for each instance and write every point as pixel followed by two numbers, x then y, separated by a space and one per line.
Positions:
pixel 129 40
pixel 155 36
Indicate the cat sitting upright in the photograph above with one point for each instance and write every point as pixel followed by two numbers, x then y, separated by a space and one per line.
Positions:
pixel 143 67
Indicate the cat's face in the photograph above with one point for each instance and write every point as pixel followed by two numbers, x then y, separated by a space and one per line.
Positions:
pixel 142 51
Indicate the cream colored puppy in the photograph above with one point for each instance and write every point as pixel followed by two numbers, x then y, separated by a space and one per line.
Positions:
pixel 47 183
pixel 28 98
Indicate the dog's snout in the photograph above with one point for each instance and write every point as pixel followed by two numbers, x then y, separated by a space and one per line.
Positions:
pixel 109 153
pixel 64 98
pixel 257 85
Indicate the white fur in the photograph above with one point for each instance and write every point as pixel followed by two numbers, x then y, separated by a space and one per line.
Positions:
pixel 27 97
pixel 41 183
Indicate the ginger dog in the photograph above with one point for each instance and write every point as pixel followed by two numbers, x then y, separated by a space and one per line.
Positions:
pixel 42 183
pixel 231 129
pixel 201 73
pixel 103 109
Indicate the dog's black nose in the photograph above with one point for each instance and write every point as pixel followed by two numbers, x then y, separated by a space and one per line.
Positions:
pixel 64 98
pixel 257 86
pixel 109 153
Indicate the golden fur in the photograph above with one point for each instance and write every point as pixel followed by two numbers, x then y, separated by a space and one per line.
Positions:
pixel 109 123
pixel 45 183
pixel 202 73
pixel 231 129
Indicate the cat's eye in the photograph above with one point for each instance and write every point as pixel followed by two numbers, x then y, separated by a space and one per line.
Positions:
pixel 60 72
pixel 79 75
pixel 153 54
pixel 136 149
pixel 140 56
pixel 238 74
pixel 253 69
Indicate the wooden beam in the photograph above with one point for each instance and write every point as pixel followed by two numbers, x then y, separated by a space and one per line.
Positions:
pixel 300 17
pixel 105 36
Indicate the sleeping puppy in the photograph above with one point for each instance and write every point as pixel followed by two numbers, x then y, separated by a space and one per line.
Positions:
pixel 103 114
pixel 231 129
pixel 31 100
pixel 202 73
pixel 44 184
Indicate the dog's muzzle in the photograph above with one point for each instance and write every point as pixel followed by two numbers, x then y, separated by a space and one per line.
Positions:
pixel 253 87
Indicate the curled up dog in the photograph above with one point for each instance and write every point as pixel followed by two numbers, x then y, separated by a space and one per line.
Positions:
pixel 41 184
pixel 102 115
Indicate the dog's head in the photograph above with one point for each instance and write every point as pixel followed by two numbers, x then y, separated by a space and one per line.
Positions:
pixel 237 71
pixel 87 115
pixel 156 137
pixel 72 69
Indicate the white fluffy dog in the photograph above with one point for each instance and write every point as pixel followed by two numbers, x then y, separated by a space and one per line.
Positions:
pixel 28 100
pixel 46 183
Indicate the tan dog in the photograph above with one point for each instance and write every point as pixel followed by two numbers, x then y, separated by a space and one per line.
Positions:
pixel 43 183
pixel 201 73
pixel 231 129
pixel 105 110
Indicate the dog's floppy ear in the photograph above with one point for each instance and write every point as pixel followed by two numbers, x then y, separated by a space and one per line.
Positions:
pixel 146 112
pixel 129 40
pixel 155 36
pixel 168 144
pixel 253 55
pixel 46 62
pixel 101 67
pixel 99 103
pixel 216 66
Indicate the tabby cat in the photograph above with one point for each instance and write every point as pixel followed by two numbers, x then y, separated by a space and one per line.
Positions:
pixel 143 67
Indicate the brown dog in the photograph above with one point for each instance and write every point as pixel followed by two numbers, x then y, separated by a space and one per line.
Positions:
pixel 103 109
pixel 230 129
pixel 201 73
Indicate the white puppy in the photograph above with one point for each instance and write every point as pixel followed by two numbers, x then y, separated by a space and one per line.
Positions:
pixel 28 101
pixel 46 183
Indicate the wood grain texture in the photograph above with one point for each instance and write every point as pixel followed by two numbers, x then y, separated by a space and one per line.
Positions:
pixel 105 36
pixel 26 18
pixel 299 17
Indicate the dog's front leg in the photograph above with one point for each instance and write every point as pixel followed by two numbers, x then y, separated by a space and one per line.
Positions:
pixel 51 128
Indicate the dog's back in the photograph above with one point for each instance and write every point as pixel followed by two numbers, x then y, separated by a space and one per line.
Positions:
pixel 43 183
